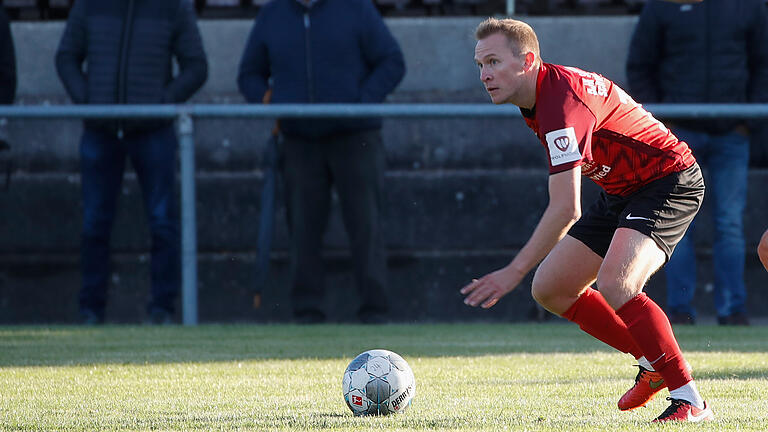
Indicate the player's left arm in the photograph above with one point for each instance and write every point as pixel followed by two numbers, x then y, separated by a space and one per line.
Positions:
pixel 563 210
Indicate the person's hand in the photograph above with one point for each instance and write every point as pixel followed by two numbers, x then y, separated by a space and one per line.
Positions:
pixel 487 290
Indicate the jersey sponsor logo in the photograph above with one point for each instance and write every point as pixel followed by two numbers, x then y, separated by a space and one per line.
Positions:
pixel 593 83
pixel 563 146
pixel 562 143
pixel 600 174
pixel 596 86
pixel 590 169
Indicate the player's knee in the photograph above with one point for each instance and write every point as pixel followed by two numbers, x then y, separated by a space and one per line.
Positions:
pixel 543 290
pixel 617 291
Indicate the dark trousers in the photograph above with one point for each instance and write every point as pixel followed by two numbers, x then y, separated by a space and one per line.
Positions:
pixel 354 163
pixel 102 160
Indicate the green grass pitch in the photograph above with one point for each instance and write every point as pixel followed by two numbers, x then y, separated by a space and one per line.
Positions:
pixel 469 377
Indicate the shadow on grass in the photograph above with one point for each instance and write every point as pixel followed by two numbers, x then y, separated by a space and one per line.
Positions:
pixel 67 345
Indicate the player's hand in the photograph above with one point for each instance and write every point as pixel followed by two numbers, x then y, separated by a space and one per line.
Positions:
pixel 489 289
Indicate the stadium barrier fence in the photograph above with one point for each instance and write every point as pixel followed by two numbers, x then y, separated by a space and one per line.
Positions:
pixel 184 116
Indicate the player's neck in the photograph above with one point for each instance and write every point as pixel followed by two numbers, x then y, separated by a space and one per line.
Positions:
pixel 527 98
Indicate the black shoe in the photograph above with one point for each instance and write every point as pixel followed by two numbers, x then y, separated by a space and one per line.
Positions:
pixel 682 319
pixel 309 316
pixel 159 316
pixel 91 317
pixel 372 315
pixel 373 318
pixel 735 319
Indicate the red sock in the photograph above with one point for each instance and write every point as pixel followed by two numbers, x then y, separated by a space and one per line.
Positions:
pixel 593 314
pixel 650 329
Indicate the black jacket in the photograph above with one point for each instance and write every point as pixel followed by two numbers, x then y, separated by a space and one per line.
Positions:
pixel 710 52
pixel 335 51
pixel 7 61
pixel 129 47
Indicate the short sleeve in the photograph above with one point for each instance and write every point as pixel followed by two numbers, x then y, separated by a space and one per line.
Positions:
pixel 566 125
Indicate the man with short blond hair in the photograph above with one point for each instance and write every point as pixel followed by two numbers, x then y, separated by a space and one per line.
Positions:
pixel 652 189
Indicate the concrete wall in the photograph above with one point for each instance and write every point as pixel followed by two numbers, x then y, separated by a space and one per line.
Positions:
pixel 462 195
pixel 438 51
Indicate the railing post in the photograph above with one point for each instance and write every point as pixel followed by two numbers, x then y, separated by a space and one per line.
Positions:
pixel 188 221
pixel 510 7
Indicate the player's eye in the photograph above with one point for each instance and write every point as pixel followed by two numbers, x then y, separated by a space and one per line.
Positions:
pixel 493 62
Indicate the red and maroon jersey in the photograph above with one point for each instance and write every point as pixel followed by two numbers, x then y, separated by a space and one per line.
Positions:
pixel 586 120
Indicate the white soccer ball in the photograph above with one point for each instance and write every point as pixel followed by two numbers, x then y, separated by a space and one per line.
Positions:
pixel 378 382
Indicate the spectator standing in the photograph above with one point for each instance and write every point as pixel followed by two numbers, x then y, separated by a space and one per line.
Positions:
pixel 715 51
pixel 327 51
pixel 7 73
pixel 129 47
pixel 7 61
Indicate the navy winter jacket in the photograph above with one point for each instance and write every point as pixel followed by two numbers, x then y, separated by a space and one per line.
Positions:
pixel 7 61
pixel 128 47
pixel 334 51
pixel 710 52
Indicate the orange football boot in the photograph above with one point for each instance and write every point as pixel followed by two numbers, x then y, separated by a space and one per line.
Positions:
pixel 647 384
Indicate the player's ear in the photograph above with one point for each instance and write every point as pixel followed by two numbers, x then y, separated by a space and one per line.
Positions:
pixel 530 60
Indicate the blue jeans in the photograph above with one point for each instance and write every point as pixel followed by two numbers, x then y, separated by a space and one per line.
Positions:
pixel 726 158
pixel 102 163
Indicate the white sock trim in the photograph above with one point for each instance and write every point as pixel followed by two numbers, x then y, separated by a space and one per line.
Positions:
pixel 689 393
pixel 642 361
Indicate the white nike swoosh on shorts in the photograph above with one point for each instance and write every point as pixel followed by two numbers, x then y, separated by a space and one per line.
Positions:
pixel 630 217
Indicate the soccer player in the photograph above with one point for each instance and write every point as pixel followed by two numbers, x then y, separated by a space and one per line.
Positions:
pixel 652 189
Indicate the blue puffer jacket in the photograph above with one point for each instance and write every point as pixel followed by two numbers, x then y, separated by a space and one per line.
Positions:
pixel 128 46
pixel 715 51
pixel 333 51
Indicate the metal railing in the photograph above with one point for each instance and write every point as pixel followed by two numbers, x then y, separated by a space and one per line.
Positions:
pixel 184 115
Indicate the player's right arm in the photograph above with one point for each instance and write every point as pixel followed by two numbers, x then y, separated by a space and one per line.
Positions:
pixel 563 210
